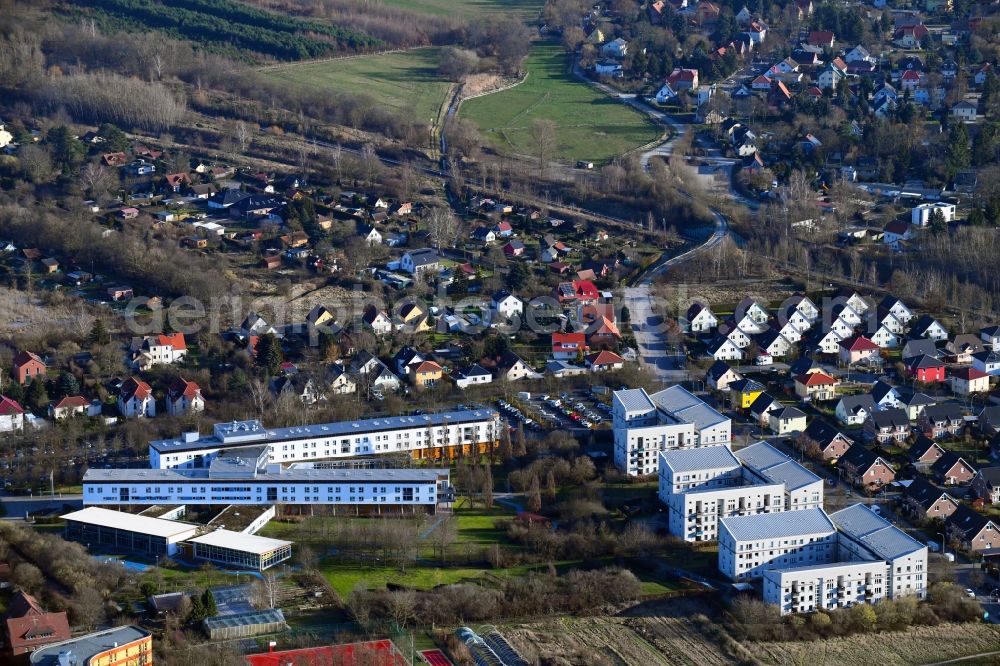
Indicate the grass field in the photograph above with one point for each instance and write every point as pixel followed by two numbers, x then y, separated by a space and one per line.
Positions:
pixel 590 125
pixel 405 81
pixel 527 9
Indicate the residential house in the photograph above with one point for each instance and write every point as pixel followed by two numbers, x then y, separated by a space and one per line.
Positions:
pixel 973 530
pixel 419 262
pixel 990 337
pixel 924 452
pixel 11 415
pixel 886 396
pixel 300 387
pixel 425 374
pixel 969 380
pixel 786 420
pixel 507 305
pixel 761 408
pixel 569 346
pixel 605 361
pixel 724 349
pixel 700 319
pixel 377 321
pixel 412 318
pixel 859 54
pixel 887 426
pixel 135 399
pixel 910 36
pixel 926 369
pixel 821 38
pixel 965 111
pixel 511 367
pixel 913 402
pixel 828 342
pixel 920 346
pixel 773 343
pixel 27 366
pixel 864 468
pixel 475 374
pixel 951 469
pixel 372 374
pixel 859 351
pixel 816 386
pixel 153 350
pixel 369 234
pixel 987 362
pixel 832 443
pixel 804 306
pixel 68 407
pixel 925 501
pixel 896 233
pixel 683 79
pixel 920 216
pixel 989 420
pixel 896 308
pixel 855 409
pixel 340 381
pixel 616 48
pixel 986 484
pixel 184 397
pixel 928 327
pixel 885 338
pixel 743 392
pixel 720 376
pixel 960 349
pixel 942 421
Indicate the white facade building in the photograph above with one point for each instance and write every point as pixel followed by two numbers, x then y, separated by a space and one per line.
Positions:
pixel 673 418
pixel 424 436
pixel 766 464
pixel 920 216
pixel 243 476
pixel 825 586
pixel 864 535
pixel 752 545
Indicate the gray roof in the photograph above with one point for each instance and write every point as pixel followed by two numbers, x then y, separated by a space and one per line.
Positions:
pixel 854 403
pixel 706 457
pixel 778 525
pixel 635 400
pixel 423 256
pixel 289 475
pixel 875 533
pixel 684 405
pixel 775 466
pixel 85 647
pixel 272 435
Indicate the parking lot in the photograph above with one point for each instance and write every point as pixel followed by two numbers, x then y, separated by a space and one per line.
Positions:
pixel 573 410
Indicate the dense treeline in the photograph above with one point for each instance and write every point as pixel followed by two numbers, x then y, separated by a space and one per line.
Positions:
pixel 105 97
pixel 224 23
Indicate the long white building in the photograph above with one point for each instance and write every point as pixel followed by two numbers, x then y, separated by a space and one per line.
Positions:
pixel 674 418
pixel 700 486
pixel 825 586
pixel 803 489
pixel 428 436
pixel 751 545
pixel 864 535
pixel 243 476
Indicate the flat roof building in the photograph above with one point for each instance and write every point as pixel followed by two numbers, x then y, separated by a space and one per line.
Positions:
pixel 122 645
pixel 674 418
pixel 427 436
pixel 803 489
pixel 119 531
pixel 825 586
pixel 235 479
pixel 864 535
pixel 235 549
pixel 751 545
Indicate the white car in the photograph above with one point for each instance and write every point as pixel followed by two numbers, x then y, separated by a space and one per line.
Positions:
pixel 969 592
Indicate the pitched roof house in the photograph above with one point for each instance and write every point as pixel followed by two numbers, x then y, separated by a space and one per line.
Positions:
pixel 28 627
pixel 865 468
pixel 951 469
pixel 973 530
pixel 925 501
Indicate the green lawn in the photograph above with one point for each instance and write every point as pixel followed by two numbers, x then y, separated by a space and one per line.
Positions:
pixel 344 577
pixel 527 9
pixel 589 124
pixel 405 81
pixel 479 525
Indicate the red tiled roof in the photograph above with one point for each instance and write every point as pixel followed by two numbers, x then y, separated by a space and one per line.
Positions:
pixel 968 373
pixel 568 341
pixel 71 401
pixel 183 388
pixel 29 627
pixel 860 343
pixel 9 407
pixel 135 388
pixel 604 358
pixel 815 379
pixel 25 357
pixel 425 366
pixel 176 341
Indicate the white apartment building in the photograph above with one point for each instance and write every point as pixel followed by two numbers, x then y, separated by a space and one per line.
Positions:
pixel 766 464
pixel 825 586
pixel 700 486
pixel 427 436
pixel 864 535
pixel 751 545
pixel 674 418
pixel 243 476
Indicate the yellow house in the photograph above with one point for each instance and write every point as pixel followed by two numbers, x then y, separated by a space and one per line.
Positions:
pixel 742 393
pixel 320 316
pixel 122 646
pixel 413 318
pixel 426 373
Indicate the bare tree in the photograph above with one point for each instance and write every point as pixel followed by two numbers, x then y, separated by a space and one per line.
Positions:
pixel 402 606
pixel 443 226
pixel 370 162
pixel 265 590
pixel 88 608
pixel 243 135
pixel 543 134
pixel 96 180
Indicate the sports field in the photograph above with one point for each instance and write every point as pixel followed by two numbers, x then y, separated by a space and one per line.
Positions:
pixel 527 9
pixel 404 81
pixel 589 124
